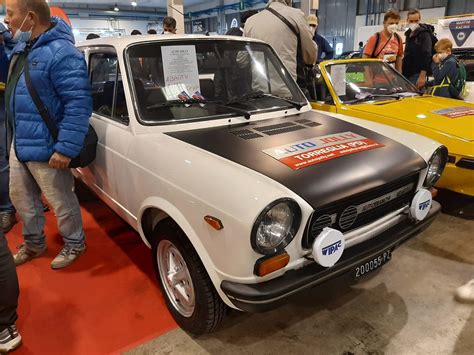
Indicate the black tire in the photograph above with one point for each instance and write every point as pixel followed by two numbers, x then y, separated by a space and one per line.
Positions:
pixel 209 309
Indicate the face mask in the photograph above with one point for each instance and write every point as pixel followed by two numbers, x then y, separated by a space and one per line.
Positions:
pixel 392 28
pixel 312 29
pixel 413 26
pixel 442 56
pixel 22 36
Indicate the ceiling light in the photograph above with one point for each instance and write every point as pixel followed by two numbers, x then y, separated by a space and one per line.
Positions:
pixel 134 3
pixel 116 9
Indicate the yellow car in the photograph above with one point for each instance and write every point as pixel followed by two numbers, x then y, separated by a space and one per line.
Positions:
pixel 371 89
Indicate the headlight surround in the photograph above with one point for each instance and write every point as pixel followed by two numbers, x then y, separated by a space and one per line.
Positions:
pixel 436 166
pixel 276 226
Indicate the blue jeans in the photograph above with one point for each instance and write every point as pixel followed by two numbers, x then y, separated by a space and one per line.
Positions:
pixel 27 182
pixel 5 203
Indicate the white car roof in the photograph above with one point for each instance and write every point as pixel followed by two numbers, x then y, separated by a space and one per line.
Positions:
pixel 124 41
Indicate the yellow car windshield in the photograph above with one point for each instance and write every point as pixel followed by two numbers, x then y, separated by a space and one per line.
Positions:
pixel 368 80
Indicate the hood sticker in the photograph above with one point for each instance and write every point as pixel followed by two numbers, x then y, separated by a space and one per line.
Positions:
pixel 455 112
pixel 316 150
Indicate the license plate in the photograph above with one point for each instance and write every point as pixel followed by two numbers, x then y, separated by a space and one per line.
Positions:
pixel 373 264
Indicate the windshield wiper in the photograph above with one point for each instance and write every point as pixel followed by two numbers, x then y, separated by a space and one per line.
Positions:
pixel 395 96
pixel 202 103
pixel 261 94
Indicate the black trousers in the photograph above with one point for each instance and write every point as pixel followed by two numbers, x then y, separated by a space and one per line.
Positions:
pixel 9 290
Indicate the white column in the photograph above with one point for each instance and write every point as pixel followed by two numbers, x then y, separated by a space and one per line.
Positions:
pixel 306 6
pixel 176 10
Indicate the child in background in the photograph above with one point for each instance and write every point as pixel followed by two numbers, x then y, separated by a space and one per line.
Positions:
pixel 445 70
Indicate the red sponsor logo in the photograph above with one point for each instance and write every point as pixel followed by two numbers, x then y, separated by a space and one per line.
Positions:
pixel 329 152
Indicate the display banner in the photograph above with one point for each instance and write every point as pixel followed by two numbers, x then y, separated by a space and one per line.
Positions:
pixel 316 150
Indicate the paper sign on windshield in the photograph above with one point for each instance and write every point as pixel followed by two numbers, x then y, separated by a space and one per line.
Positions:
pixel 316 150
pixel 455 112
pixel 180 69
pixel 338 79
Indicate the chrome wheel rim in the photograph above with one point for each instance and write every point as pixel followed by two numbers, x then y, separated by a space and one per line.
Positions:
pixel 175 278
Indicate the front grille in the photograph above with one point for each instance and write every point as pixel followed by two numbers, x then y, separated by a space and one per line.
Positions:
pixel 361 209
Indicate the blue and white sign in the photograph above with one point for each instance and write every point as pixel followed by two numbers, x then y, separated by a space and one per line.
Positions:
pixel 328 247
pixel 421 205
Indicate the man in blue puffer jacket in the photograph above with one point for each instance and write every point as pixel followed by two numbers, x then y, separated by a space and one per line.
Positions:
pixel 38 164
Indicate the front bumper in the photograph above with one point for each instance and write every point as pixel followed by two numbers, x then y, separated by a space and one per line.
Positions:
pixel 266 295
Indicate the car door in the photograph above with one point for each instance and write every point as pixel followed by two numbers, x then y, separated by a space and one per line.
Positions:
pixel 111 122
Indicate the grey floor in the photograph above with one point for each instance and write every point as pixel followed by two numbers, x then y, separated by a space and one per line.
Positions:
pixel 406 308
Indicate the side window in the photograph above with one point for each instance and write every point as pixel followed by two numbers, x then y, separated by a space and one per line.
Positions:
pixel 107 87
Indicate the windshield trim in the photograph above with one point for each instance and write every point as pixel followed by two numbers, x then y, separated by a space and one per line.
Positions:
pixel 128 70
pixel 365 60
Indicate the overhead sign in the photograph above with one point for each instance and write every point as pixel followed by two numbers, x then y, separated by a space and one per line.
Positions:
pixel 458 30
pixel 461 30
pixel 316 150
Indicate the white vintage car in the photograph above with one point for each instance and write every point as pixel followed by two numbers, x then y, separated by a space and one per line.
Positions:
pixel 245 195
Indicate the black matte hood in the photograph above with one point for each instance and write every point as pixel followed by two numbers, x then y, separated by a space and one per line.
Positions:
pixel 336 178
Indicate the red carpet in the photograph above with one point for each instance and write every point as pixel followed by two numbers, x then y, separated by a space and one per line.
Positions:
pixel 107 302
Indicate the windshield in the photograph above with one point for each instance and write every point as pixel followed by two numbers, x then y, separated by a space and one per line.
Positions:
pixel 368 80
pixel 208 79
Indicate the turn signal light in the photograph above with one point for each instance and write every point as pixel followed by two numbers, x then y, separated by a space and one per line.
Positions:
pixel 434 192
pixel 214 222
pixel 267 265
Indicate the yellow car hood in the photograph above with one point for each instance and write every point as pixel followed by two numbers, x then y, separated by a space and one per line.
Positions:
pixel 421 111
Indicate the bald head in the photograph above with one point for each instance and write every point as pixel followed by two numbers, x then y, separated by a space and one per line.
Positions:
pixel 27 15
pixel 39 7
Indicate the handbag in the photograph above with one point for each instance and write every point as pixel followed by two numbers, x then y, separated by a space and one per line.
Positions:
pixel 88 151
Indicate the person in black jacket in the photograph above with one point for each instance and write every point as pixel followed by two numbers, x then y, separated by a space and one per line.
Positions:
pixel 418 50
pixel 10 339
pixel 239 31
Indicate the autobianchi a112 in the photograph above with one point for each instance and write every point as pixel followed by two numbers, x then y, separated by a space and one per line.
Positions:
pixel 243 193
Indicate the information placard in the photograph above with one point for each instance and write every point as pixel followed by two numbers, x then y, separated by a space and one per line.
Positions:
pixel 180 69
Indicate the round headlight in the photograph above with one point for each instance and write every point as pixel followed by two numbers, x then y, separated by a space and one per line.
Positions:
pixel 276 226
pixel 436 166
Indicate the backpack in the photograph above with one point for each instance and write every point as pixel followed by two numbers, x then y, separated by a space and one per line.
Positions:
pixel 377 41
pixel 459 84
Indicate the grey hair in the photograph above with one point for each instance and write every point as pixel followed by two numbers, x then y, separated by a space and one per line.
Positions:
pixel 285 2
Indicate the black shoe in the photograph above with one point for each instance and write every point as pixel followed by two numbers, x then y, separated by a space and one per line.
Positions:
pixel 10 339
pixel 7 221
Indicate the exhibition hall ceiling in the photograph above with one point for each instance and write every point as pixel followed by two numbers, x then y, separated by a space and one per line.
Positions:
pixel 124 3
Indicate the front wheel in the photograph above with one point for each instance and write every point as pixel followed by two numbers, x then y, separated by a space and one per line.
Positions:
pixel 188 290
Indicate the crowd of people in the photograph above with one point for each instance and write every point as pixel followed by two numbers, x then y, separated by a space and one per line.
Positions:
pixel 33 164
pixel 418 55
